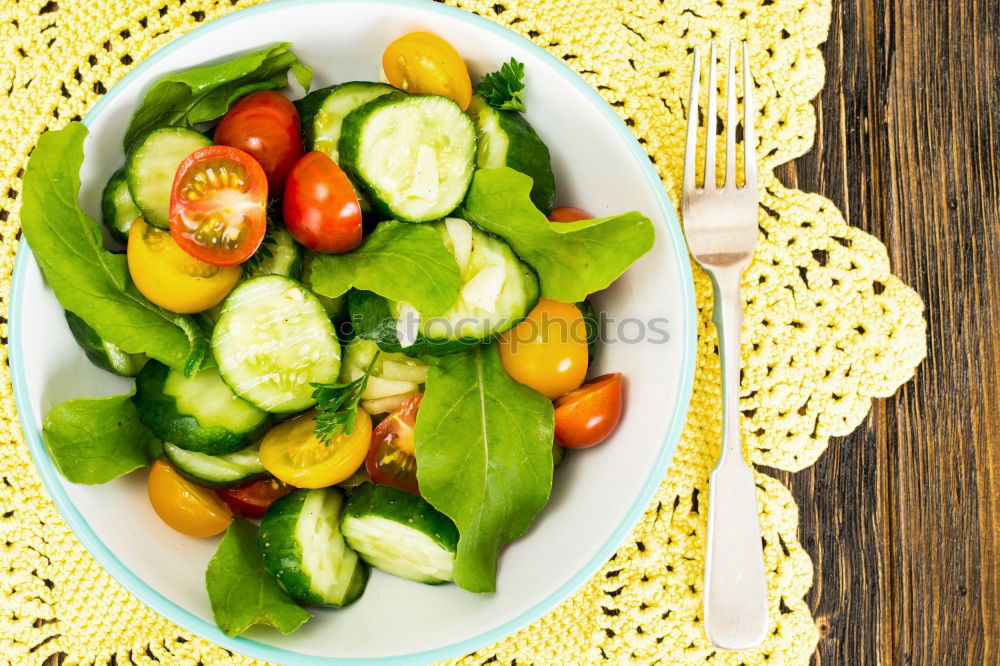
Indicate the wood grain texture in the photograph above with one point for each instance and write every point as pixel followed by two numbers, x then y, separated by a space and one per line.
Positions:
pixel 903 517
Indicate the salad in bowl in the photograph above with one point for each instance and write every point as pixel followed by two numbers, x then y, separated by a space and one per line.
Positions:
pixel 360 333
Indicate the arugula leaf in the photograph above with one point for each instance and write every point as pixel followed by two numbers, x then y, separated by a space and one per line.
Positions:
pixel 337 405
pixel 572 259
pixel 205 93
pixel 502 89
pixel 402 262
pixel 95 441
pixel 484 457
pixel 89 281
pixel 241 592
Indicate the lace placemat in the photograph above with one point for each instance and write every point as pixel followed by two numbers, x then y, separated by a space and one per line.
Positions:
pixel 828 328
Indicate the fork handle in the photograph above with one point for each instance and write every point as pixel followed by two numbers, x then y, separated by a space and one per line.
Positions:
pixel 736 607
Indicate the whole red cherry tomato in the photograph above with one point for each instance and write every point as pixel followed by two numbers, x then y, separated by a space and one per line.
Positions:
pixel 265 125
pixel 321 209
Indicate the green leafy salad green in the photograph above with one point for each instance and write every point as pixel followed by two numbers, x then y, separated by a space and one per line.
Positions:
pixel 341 334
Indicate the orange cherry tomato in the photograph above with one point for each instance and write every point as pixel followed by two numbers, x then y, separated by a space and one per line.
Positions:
pixel 253 499
pixel 218 205
pixel 392 456
pixel 569 214
pixel 185 506
pixel 589 414
pixel 265 125
pixel 424 63
pixel 321 209
pixel 548 350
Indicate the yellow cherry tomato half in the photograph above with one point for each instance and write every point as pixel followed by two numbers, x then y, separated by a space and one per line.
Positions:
pixel 293 453
pixel 185 506
pixel 548 350
pixel 172 278
pixel 424 63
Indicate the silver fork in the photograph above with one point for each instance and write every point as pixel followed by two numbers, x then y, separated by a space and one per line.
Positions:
pixel 721 229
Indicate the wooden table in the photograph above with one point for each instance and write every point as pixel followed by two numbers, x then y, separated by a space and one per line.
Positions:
pixel 902 518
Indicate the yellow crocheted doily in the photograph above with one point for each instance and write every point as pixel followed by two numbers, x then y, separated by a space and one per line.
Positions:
pixel 828 327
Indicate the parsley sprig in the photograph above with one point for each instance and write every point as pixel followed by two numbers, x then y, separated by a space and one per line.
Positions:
pixel 337 405
pixel 502 89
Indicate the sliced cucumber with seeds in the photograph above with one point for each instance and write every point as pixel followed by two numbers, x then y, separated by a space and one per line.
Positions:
pixel 506 139
pixel 400 533
pixel 117 208
pixel 498 290
pixel 272 340
pixel 323 112
pixel 102 353
pixel 412 155
pixel 228 471
pixel 199 413
pixel 152 165
pixel 303 549
pixel 278 254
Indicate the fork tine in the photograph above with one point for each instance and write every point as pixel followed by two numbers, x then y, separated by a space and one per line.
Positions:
pixel 731 119
pixel 691 147
pixel 711 125
pixel 749 138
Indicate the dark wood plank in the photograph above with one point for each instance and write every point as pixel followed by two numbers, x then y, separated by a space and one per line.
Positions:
pixel 942 201
pixel 902 518
pixel 845 522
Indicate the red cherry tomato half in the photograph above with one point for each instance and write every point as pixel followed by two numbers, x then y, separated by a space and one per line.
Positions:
pixel 321 209
pixel 589 414
pixel 218 205
pixel 252 500
pixel 569 214
pixel 392 456
pixel 265 125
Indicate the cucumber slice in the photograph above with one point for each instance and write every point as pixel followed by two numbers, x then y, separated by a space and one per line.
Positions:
pixel 498 290
pixel 506 139
pixel 400 533
pixel 303 549
pixel 233 469
pixel 412 155
pixel 272 341
pixel 278 254
pixel 117 208
pixel 323 112
pixel 198 413
pixel 335 307
pixel 102 353
pixel 151 166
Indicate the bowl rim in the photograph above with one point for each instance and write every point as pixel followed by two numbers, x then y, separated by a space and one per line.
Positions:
pixel 250 647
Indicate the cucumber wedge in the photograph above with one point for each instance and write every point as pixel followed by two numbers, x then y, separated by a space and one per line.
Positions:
pixel 323 112
pixel 303 549
pixel 228 471
pixel 394 378
pixel 506 139
pixel 102 353
pixel 498 290
pixel 400 533
pixel 412 155
pixel 117 208
pixel 272 340
pixel 199 413
pixel 152 165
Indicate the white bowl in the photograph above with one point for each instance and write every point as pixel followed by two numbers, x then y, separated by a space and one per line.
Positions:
pixel 598 495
